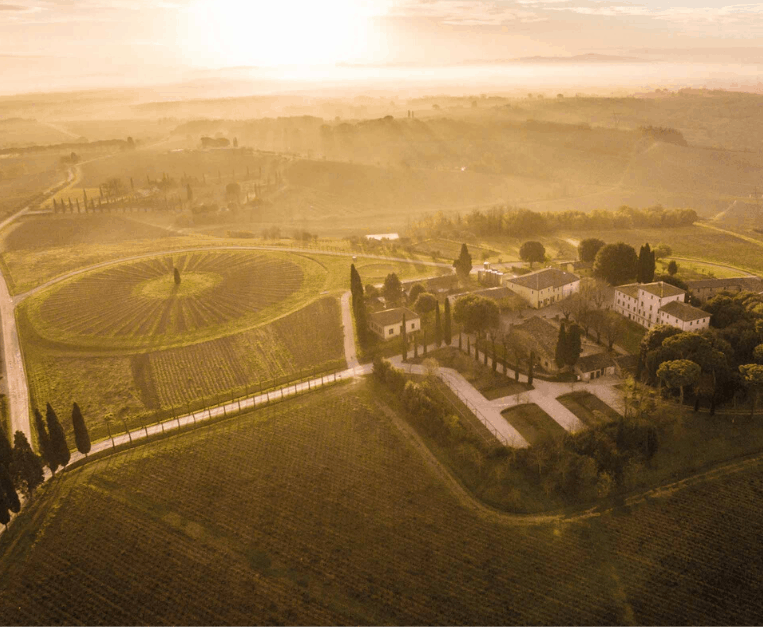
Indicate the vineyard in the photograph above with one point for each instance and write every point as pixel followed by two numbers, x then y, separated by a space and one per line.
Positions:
pixel 48 232
pixel 317 511
pixel 132 389
pixel 137 304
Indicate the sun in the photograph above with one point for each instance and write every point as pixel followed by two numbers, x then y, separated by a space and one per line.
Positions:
pixel 283 32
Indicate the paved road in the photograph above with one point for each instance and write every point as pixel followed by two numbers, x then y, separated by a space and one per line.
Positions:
pixel 15 374
pixel 350 355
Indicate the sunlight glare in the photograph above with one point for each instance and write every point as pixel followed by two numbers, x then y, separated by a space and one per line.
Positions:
pixel 283 32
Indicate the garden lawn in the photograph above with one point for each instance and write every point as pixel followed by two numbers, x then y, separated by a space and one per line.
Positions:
pixel 532 422
pixel 590 409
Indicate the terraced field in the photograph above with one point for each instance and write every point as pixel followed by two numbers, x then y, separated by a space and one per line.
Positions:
pixel 319 511
pixel 137 304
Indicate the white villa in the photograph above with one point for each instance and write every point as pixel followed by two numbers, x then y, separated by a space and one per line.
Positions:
pixel 389 323
pixel 659 303
pixel 544 287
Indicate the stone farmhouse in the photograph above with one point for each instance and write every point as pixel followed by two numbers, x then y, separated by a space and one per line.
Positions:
pixel 539 336
pixel 649 304
pixel 594 366
pixel 544 287
pixel 389 323
pixel 705 289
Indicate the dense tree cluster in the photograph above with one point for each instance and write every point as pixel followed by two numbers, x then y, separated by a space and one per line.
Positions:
pixel 664 134
pixel 476 314
pixel 616 263
pixel 521 223
pixel 725 357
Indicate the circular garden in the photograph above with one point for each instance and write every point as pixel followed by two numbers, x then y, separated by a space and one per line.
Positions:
pixel 141 303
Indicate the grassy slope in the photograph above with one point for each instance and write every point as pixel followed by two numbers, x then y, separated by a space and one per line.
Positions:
pixel 319 512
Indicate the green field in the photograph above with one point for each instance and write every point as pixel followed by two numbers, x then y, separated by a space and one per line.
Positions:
pixel 589 409
pixel 533 424
pixel 319 511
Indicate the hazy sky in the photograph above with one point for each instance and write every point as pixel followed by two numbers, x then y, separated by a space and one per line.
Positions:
pixel 140 40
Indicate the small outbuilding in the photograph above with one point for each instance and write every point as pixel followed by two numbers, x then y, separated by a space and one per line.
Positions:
pixel 389 323
pixel 594 366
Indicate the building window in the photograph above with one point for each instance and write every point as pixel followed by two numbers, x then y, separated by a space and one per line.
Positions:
pixel 391 331
pixel 413 325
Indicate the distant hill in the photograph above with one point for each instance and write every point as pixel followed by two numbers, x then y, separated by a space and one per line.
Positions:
pixel 581 58
pixel 741 215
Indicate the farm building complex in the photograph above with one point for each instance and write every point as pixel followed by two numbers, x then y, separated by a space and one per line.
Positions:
pixel 544 287
pixel 649 304
pixel 389 323
pixel 705 289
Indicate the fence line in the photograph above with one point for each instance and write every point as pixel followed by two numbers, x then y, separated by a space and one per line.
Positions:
pixel 474 409
pixel 254 399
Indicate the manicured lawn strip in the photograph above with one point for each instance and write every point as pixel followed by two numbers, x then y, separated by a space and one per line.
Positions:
pixel 584 404
pixel 532 422
pixel 491 384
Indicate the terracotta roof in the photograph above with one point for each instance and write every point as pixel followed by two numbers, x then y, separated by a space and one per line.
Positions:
pixel 495 293
pixel 542 279
pixel 393 316
pixel 661 289
pixel 629 290
pixel 589 363
pixel 537 334
pixel 683 311
pixel 751 283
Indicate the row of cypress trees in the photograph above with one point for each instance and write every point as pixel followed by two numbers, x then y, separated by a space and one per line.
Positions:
pixel 21 469
pixel 53 445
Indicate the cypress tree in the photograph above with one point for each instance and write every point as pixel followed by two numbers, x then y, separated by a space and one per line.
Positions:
pixel 5 516
pixel 530 368
pixel 437 326
pixel 650 265
pixel 446 327
pixel 6 485
pixel 574 345
pixel 81 436
pixel 6 450
pixel 43 438
pixel 404 340
pixel 27 467
pixel 177 276
pixel 57 437
pixel 560 354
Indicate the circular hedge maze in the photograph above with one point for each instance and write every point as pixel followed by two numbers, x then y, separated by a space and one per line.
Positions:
pixel 139 303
